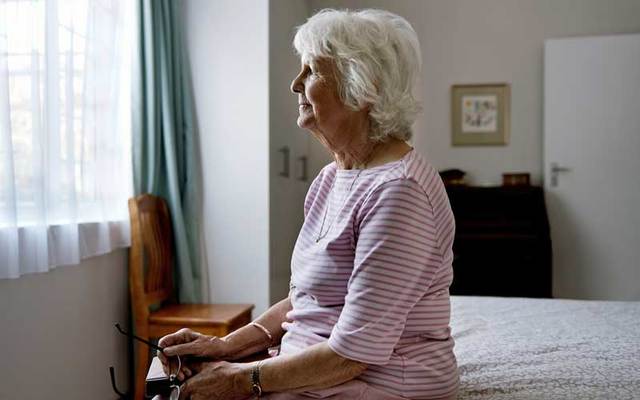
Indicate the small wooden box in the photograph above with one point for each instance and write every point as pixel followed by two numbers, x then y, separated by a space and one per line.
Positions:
pixel 516 179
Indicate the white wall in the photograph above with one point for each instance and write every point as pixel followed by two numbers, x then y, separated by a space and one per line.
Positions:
pixel 228 45
pixel 468 41
pixel 287 194
pixel 56 331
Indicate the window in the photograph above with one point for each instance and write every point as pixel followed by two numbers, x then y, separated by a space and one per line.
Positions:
pixel 65 135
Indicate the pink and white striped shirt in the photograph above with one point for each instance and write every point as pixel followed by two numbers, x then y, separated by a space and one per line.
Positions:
pixel 377 285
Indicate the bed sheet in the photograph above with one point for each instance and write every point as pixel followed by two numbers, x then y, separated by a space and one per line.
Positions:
pixel 521 348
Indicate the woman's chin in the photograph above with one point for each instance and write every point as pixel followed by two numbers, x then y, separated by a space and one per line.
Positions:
pixel 305 122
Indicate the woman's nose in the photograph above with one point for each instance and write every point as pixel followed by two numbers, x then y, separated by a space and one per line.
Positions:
pixel 296 84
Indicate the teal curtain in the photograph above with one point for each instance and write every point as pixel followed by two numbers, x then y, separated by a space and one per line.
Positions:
pixel 165 153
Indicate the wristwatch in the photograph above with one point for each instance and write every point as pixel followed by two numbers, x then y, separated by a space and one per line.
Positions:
pixel 255 380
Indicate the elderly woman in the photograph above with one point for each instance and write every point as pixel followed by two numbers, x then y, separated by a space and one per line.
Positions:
pixel 368 312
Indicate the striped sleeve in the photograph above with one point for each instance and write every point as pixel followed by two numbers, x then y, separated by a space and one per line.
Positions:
pixel 396 260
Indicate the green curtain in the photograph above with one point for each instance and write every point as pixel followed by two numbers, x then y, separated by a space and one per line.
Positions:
pixel 165 153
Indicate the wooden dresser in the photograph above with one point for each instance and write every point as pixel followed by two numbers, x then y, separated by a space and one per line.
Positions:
pixel 502 245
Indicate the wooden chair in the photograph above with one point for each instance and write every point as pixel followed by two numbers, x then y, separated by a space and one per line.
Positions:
pixel 150 283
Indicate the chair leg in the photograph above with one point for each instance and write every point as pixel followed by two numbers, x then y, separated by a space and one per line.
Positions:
pixel 142 364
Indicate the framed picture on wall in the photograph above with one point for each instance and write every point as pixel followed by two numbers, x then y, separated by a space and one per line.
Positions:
pixel 480 114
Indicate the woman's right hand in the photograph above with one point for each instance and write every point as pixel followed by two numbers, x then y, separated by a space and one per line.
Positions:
pixel 186 342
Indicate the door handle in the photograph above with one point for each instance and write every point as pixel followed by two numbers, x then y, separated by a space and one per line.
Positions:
pixel 555 170
pixel 285 161
pixel 303 164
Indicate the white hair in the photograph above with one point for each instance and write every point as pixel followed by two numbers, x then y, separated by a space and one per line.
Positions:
pixel 377 55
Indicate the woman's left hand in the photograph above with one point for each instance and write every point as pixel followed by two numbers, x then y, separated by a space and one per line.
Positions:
pixel 217 380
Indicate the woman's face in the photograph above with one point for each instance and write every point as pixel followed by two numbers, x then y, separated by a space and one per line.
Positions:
pixel 319 105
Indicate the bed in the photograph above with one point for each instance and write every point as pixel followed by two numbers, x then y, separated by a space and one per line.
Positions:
pixel 522 348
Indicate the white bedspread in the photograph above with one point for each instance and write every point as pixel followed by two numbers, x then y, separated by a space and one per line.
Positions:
pixel 517 348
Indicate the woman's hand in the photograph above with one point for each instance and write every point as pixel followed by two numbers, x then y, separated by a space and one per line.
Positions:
pixel 186 342
pixel 218 380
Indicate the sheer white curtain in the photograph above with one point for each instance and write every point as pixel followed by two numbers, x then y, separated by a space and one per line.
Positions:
pixel 65 164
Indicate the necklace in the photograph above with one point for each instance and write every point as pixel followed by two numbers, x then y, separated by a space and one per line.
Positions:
pixel 322 235
pixel 326 209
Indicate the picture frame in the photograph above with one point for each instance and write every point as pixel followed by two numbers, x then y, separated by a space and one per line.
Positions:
pixel 480 114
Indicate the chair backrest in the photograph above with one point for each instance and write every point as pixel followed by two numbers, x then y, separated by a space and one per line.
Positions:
pixel 151 254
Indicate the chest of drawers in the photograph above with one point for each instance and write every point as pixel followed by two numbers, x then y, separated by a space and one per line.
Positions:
pixel 502 245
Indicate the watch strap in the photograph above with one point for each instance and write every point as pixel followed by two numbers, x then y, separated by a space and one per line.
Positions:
pixel 256 388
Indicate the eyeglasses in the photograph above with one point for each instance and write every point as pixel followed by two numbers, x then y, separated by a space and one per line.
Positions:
pixel 164 386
